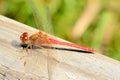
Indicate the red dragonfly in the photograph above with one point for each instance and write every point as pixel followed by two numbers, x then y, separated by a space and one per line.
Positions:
pixel 42 40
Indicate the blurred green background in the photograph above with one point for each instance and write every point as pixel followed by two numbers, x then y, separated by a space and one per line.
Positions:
pixel 97 20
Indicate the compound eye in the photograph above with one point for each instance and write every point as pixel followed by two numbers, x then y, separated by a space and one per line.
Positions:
pixel 24 37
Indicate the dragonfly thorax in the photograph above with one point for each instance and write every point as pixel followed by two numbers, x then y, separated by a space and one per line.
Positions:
pixel 35 39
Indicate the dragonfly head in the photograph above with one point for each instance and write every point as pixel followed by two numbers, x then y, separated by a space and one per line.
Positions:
pixel 24 37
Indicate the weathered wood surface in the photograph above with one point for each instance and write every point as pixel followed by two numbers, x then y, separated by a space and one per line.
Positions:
pixel 67 66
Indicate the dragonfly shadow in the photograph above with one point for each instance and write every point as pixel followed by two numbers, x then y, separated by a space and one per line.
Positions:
pixel 15 44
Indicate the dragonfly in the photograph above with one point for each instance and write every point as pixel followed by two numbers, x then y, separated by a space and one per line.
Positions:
pixel 43 40
pixel 39 39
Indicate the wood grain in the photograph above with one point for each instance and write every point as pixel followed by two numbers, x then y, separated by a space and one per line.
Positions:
pixel 66 65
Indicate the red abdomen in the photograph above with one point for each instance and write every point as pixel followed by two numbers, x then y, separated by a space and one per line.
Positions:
pixel 53 41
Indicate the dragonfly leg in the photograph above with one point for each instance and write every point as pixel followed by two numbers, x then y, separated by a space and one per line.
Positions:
pixel 28 46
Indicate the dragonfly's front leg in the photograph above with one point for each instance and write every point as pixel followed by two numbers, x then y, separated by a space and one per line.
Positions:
pixel 29 46
pixel 26 47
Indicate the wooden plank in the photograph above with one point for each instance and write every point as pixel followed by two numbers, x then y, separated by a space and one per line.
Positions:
pixel 66 66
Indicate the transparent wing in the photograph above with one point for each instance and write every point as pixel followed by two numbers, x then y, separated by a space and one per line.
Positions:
pixel 41 62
